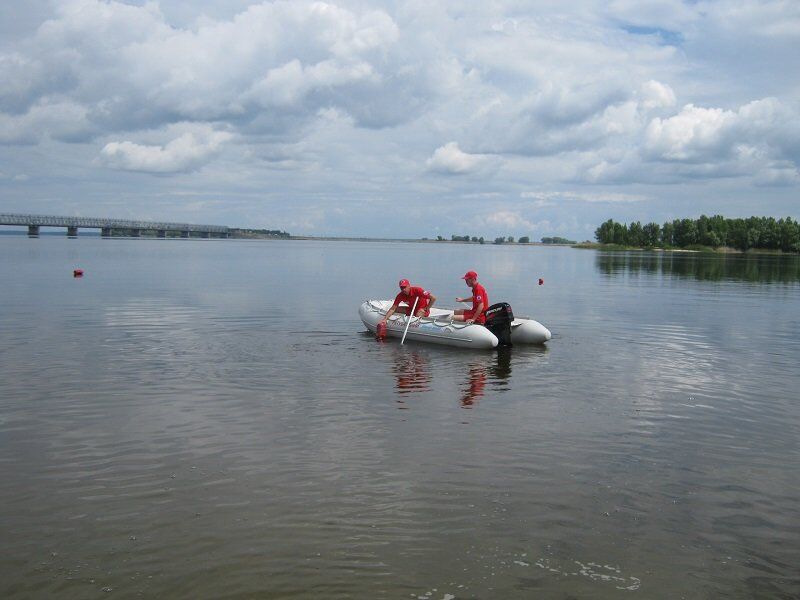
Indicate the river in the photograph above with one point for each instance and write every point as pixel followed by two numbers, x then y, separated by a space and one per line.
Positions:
pixel 209 419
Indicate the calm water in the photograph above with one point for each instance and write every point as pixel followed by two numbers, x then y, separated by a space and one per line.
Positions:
pixel 208 419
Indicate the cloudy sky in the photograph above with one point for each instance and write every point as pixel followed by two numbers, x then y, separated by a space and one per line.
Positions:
pixel 401 118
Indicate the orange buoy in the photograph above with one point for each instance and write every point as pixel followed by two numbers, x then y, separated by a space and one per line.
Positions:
pixel 77 273
pixel 380 331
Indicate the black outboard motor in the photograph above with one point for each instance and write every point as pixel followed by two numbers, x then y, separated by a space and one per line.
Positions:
pixel 498 321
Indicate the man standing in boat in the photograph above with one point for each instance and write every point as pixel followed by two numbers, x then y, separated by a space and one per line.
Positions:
pixel 479 299
pixel 409 294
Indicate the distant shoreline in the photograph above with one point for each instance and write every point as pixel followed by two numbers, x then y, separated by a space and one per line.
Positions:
pixel 416 241
pixel 580 246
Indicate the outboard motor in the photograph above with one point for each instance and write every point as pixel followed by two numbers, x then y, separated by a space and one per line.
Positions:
pixel 498 321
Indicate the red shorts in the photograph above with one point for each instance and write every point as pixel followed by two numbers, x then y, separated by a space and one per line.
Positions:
pixel 469 314
pixel 404 310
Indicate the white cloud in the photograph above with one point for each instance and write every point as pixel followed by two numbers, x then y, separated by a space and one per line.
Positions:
pixel 450 159
pixel 557 119
pixel 667 14
pixel 188 152
pixel 754 132
pixel 342 101
pixel 61 120
pixel 766 18
pixel 606 197
pixel 657 95
pixel 694 133
pixel 780 176
pixel 130 68
pixel 758 140
pixel 506 219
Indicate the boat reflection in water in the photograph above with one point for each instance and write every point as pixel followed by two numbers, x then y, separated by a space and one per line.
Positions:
pixel 411 372
pixel 415 370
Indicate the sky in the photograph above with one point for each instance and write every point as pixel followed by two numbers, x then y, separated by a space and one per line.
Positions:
pixel 401 118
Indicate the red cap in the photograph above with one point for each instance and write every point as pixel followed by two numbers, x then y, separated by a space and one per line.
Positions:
pixel 404 283
pixel 470 275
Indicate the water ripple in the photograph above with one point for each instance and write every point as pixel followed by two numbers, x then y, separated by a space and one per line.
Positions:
pixel 163 435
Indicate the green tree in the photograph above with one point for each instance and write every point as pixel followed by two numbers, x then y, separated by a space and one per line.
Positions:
pixel 720 225
pixel 603 234
pixel 620 234
pixel 635 234
pixel 789 235
pixel 737 234
pixel 753 232
pixel 652 234
pixel 685 232
pixel 770 234
pixel 668 234
pixel 703 229
pixel 524 240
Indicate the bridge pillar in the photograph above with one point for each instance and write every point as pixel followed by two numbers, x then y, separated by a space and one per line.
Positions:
pixel 162 233
pixel 184 234
pixel 33 231
pixel 105 232
pixel 136 232
pixel 72 232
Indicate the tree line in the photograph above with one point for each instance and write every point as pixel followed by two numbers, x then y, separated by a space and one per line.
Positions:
pixel 274 233
pixel 743 234
pixel 557 240
pixel 504 239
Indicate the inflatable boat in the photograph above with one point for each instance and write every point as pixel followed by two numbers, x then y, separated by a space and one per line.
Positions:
pixel 439 327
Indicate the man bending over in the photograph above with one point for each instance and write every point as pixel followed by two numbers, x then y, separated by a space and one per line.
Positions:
pixel 409 294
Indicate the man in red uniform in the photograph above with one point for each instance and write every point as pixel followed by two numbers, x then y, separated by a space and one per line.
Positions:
pixel 479 299
pixel 409 294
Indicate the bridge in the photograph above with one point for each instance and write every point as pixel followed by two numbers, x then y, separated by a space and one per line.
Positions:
pixel 110 227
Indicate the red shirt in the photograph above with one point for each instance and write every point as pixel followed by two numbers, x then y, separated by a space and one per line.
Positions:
pixel 414 292
pixel 478 296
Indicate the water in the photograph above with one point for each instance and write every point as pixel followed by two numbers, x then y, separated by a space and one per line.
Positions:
pixel 208 419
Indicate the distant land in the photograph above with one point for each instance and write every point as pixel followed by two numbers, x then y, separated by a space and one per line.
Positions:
pixel 257 234
pixel 423 240
pixel 704 234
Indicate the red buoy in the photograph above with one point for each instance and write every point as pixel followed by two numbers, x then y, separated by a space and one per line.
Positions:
pixel 541 281
pixel 77 273
pixel 380 331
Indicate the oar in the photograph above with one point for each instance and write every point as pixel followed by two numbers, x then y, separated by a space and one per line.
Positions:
pixel 410 316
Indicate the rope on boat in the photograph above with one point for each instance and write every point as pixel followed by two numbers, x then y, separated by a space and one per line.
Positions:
pixel 431 320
